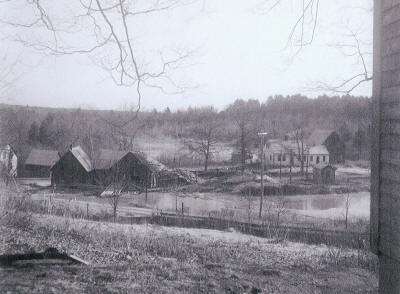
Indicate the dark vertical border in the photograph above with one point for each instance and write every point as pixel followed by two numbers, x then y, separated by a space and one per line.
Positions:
pixel 376 116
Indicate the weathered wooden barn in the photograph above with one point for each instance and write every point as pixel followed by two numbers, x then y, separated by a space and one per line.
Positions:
pixel 385 155
pixel 8 161
pixel 73 168
pixel 39 162
pixel 331 140
pixel 116 166
pixel 134 167
pixel 111 166
pixel 324 174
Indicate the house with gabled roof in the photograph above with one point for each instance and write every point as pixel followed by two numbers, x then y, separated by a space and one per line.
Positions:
pixel 318 154
pixel 331 140
pixel 39 162
pixel 279 152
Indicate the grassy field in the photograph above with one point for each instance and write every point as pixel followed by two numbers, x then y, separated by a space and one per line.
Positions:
pixel 155 259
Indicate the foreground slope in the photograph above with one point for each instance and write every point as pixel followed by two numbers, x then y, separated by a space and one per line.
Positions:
pixel 154 259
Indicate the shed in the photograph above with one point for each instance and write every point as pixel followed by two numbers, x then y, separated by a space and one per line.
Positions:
pixel 324 174
pixel 72 168
pixel 38 163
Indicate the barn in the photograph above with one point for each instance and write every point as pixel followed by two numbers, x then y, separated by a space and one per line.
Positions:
pixel 72 168
pixel 39 162
pixel 112 165
pixel 133 167
pixel 324 174
pixel 331 140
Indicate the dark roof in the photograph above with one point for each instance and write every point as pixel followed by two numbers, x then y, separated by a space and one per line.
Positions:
pixel 152 164
pixel 318 137
pixel 42 157
pixel 105 159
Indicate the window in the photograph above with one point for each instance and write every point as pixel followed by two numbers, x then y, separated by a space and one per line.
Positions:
pixel 284 157
pixel 270 157
pixel 279 157
pixel 311 158
pixel 323 158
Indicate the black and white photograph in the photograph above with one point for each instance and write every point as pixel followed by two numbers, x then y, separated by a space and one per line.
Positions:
pixel 200 146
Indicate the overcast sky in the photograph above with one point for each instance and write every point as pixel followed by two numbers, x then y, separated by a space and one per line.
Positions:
pixel 238 55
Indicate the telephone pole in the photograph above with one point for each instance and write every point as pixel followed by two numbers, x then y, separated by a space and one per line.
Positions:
pixel 262 135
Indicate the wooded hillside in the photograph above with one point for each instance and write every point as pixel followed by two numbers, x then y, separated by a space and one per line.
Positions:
pixel 196 128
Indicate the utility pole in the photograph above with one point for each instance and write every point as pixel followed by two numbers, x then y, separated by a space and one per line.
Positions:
pixel 262 172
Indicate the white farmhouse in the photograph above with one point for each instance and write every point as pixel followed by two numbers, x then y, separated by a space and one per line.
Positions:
pixel 318 154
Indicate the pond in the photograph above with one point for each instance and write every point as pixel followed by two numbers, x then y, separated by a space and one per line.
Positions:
pixel 321 206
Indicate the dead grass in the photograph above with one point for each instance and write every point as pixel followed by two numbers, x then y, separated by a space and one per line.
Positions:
pixel 147 258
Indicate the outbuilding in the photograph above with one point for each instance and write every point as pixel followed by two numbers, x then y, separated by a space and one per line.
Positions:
pixel 39 162
pixel 72 168
pixel 324 174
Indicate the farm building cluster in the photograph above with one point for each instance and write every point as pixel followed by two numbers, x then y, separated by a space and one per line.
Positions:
pixel 74 167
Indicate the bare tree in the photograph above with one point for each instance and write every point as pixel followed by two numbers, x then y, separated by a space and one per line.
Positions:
pixel 354 49
pixel 110 30
pixel 346 208
pixel 304 32
pixel 299 138
pixel 205 136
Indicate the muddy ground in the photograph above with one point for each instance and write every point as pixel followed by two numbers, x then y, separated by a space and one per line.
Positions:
pixel 154 259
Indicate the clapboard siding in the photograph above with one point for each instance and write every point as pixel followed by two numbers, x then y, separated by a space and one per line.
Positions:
pixel 390 112
pixel 390 95
pixel 390 142
pixel 390 127
pixel 385 165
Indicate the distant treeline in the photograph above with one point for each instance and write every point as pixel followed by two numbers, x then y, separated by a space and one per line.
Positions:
pixel 25 127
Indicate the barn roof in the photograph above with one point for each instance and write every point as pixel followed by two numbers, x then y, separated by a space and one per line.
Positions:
pixel 107 158
pixel 82 157
pixel 42 157
pixel 318 137
pixel 320 149
pixel 154 165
